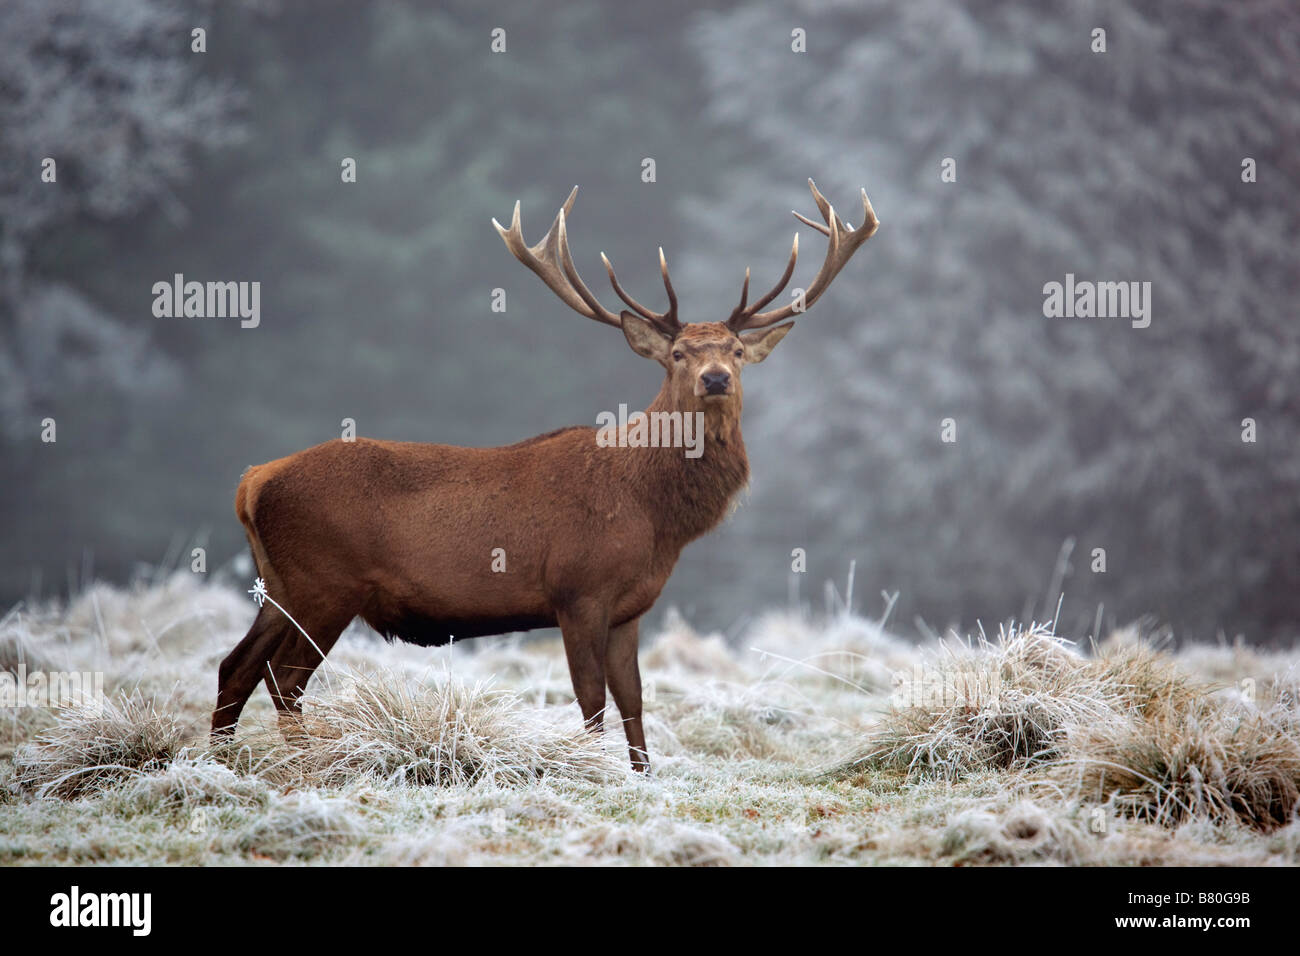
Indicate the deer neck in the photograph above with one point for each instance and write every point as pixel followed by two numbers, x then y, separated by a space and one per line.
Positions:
pixel 695 492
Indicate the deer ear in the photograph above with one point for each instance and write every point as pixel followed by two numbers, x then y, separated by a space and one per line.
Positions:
pixel 760 342
pixel 644 338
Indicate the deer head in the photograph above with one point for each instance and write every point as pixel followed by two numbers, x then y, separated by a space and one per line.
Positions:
pixel 702 360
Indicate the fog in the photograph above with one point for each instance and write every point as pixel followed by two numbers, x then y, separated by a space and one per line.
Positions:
pixel 934 422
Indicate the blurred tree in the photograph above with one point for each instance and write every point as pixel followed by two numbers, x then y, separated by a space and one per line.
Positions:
pixel 101 107
pixel 1124 165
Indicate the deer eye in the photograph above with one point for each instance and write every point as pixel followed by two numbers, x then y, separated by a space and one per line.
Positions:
pixel 740 353
pixel 678 356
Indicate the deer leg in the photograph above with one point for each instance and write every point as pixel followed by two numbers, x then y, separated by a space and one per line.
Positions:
pixel 586 633
pixel 290 668
pixel 625 684
pixel 241 670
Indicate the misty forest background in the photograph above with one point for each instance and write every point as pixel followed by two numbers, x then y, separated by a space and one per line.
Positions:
pixel 376 295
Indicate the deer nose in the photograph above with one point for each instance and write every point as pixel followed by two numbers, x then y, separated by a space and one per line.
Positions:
pixel 715 383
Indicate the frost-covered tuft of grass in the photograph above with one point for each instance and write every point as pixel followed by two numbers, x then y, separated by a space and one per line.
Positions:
pixel 1125 728
pixel 1186 756
pixel 1001 705
pixel 400 732
pixel 95 746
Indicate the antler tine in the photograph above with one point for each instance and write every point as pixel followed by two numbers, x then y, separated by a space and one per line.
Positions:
pixel 665 321
pixel 744 296
pixel 869 220
pixel 783 281
pixel 809 222
pixel 823 204
pixel 741 312
pixel 575 280
pixel 843 242
pixel 551 261
pixel 827 211
pixel 671 314
pixel 632 303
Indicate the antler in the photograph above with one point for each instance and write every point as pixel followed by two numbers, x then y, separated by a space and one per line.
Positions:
pixel 553 263
pixel 844 241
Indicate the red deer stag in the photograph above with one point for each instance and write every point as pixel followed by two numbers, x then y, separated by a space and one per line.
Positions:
pixel 403 534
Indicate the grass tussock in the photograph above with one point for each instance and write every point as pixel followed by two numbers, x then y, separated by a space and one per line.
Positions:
pixel 1003 705
pixel 1190 756
pixel 91 748
pixel 1125 728
pixel 399 732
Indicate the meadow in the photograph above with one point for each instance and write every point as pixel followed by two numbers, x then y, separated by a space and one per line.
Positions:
pixel 803 739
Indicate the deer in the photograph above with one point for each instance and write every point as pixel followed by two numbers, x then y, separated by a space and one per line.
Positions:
pixel 405 535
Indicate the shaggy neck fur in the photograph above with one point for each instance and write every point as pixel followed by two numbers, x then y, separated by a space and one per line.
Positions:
pixel 696 493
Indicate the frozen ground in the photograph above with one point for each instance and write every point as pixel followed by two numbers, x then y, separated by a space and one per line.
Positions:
pixel 807 742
